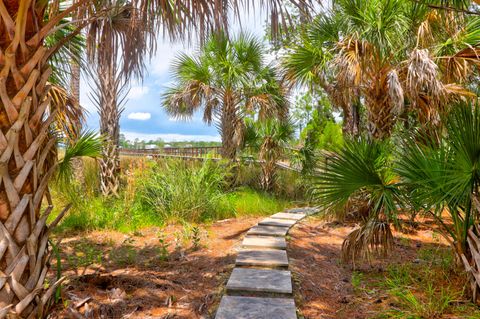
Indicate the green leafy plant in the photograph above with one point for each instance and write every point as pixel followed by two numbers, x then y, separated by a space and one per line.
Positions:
pixel 163 247
pixel 269 137
pixel 196 238
pixel 176 191
pixel 445 176
pixel 362 169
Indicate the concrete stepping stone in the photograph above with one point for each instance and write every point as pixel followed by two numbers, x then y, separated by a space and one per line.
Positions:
pixel 233 307
pixel 270 257
pixel 278 222
pixel 303 210
pixel 294 216
pixel 264 242
pixel 260 280
pixel 268 231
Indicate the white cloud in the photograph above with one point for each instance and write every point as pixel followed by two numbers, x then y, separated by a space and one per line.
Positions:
pixel 137 92
pixel 171 137
pixel 139 116
pixel 165 54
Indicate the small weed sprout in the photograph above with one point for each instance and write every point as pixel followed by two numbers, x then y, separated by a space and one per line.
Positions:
pixel 163 247
pixel 356 280
pixel 196 237
pixel 178 241
pixel 56 252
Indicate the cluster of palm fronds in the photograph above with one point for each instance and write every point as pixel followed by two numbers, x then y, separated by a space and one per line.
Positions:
pixel 230 80
pixel 397 57
pixel 441 179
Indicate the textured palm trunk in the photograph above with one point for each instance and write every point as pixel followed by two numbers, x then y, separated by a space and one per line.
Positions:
pixel 77 163
pixel 380 109
pixel 109 128
pixel 351 119
pixel 268 174
pixel 228 124
pixel 350 109
pixel 25 168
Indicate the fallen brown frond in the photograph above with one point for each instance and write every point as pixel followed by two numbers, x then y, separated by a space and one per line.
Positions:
pixel 372 238
pixel 69 114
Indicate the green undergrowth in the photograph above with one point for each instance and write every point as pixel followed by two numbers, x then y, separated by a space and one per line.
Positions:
pixel 429 287
pixel 157 193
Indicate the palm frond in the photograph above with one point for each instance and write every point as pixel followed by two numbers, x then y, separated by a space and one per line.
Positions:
pixel 372 238
pixel 359 166
pixel 88 144
pixel 69 115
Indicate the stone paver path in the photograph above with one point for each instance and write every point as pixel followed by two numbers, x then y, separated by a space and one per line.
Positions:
pixel 232 307
pixel 268 231
pixel 278 222
pixel 263 252
pixel 264 257
pixel 260 280
pixel 264 242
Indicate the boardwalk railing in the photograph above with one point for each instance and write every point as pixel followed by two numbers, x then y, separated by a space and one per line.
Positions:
pixel 187 152
pixel 195 153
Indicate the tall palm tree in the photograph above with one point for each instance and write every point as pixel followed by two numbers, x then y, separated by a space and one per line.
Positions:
pixel 227 78
pixel 306 64
pixel 26 147
pixel 74 85
pixel 390 53
pixel 113 35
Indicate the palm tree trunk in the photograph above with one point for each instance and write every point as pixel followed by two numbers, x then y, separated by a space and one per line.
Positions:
pixel 109 127
pixel 268 174
pixel 77 163
pixel 380 109
pixel 26 163
pixel 228 125
pixel 350 126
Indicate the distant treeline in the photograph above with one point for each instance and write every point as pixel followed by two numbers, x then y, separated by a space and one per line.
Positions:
pixel 159 143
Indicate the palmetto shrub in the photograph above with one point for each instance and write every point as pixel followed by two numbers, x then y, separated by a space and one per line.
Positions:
pixel 361 169
pixel 439 177
pixel 176 190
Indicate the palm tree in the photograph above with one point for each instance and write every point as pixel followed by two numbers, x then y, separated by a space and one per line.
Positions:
pixel 426 175
pixel 227 78
pixel 307 65
pixel 26 116
pixel 113 33
pixel 270 137
pixel 387 53
pixel 74 85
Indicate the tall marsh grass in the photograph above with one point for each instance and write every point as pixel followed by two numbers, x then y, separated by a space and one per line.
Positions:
pixel 164 191
pixel 176 190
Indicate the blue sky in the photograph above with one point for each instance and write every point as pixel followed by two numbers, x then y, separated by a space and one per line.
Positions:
pixel 143 116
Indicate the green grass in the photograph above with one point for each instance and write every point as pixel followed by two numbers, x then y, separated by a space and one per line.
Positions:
pixel 157 193
pixel 430 288
pixel 249 202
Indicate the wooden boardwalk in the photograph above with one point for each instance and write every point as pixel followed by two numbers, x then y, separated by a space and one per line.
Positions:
pixel 196 154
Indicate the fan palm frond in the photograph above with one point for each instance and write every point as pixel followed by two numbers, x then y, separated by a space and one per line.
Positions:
pixel 446 176
pixel 371 239
pixel 360 166
pixel 88 144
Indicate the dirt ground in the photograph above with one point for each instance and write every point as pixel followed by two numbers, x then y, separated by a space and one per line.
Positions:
pixel 328 288
pixel 113 275
pixel 179 271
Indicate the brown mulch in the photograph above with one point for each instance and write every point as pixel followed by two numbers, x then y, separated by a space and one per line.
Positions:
pixel 113 275
pixel 323 282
